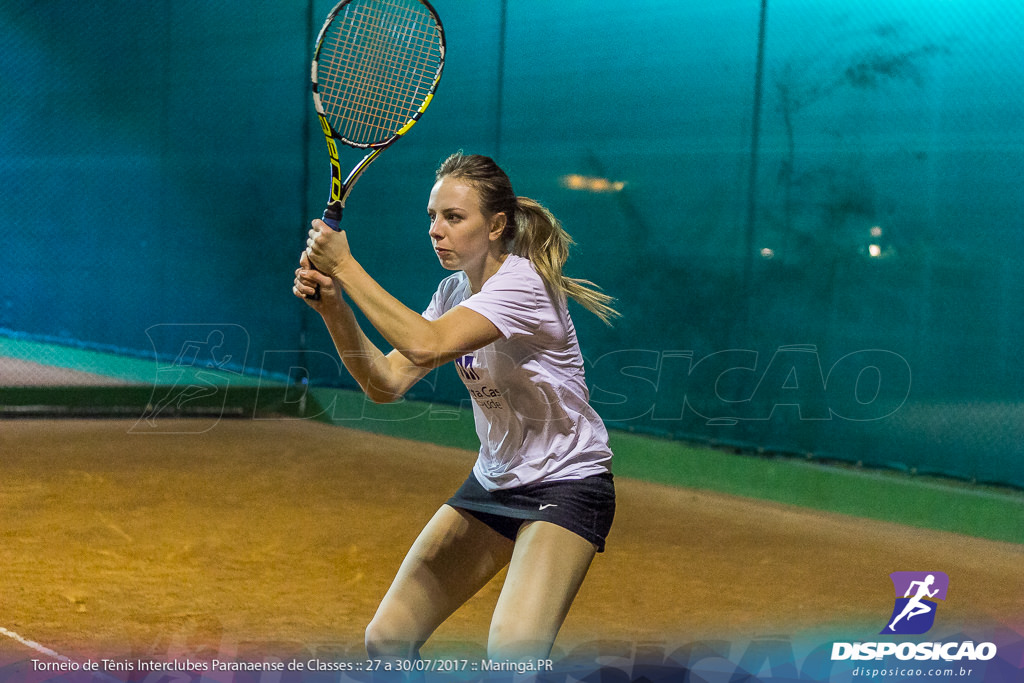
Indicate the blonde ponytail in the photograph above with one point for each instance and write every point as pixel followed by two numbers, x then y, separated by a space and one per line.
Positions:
pixel 532 231
pixel 540 237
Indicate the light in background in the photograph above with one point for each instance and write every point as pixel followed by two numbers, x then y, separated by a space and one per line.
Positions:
pixel 585 183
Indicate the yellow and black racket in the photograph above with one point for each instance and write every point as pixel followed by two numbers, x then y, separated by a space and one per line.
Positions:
pixel 375 69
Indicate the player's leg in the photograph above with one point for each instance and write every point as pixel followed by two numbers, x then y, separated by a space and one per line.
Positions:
pixel 454 556
pixel 548 566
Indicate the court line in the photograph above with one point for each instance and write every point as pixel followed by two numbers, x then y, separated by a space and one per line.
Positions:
pixel 41 649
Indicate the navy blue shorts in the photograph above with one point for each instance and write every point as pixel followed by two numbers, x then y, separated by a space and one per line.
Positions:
pixel 585 507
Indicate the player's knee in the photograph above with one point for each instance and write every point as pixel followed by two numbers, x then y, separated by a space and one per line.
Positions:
pixel 517 641
pixel 382 641
pixel 378 638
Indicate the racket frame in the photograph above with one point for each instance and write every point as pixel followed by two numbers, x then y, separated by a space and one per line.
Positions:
pixel 342 188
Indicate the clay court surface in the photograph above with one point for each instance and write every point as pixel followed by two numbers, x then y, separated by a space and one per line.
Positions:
pixel 269 537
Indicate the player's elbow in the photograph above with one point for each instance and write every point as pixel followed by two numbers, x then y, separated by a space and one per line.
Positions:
pixel 378 395
pixel 433 344
pixel 425 358
pixel 383 391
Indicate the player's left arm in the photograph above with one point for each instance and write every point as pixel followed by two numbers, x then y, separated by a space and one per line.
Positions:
pixel 426 343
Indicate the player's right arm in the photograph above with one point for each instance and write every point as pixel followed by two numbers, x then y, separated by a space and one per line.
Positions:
pixel 384 378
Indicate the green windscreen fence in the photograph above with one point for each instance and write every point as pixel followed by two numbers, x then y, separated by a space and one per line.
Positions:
pixel 810 211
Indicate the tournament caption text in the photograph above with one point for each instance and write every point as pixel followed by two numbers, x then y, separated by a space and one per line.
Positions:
pixel 440 665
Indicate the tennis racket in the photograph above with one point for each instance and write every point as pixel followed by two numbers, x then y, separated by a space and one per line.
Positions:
pixel 376 66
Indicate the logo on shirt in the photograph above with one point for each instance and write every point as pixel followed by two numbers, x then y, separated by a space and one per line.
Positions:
pixel 485 396
pixel 464 366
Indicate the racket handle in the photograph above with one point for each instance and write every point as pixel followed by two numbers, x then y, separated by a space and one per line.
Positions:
pixel 332 217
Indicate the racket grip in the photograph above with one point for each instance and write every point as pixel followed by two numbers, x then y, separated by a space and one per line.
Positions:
pixel 332 217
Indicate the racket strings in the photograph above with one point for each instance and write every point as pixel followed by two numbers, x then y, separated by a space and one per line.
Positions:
pixel 388 94
pixel 376 67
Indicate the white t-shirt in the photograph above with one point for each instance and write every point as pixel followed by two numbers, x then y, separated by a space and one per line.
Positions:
pixel 530 399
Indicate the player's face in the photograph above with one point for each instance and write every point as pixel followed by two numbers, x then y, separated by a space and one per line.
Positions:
pixel 461 234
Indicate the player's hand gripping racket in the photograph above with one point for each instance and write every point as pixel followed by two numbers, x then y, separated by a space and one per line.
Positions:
pixel 376 66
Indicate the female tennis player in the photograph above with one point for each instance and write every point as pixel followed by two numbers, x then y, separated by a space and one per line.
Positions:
pixel 540 497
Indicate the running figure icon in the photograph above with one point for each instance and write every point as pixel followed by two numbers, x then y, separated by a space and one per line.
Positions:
pixel 916 595
pixel 915 606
